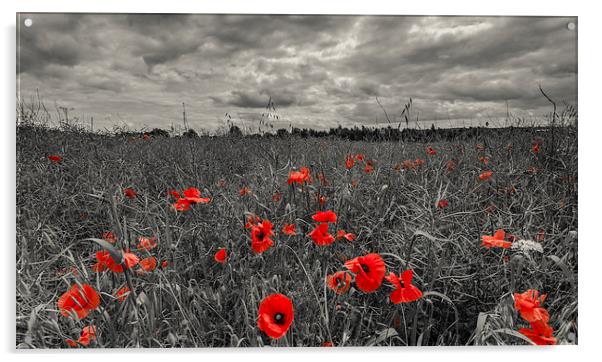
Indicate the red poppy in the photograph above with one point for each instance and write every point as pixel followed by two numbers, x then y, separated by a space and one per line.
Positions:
pixel 181 205
pixel 354 183
pixel 289 229
pixel 431 151
pixel 276 196
pixel 109 236
pixel 497 240
pixel 369 271
pixel 87 336
pixel 540 333
pixel 55 158
pixel 442 204
pixel 148 264
pixel 220 256
pixel 327 344
pixel 146 137
pixel 408 165
pixel 451 165
pixel 528 304
pixel 340 282
pixel 252 220
pixel 147 243
pixel 397 167
pixel 164 264
pixel 484 160
pixel 325 216
pixel 105 260
pixel 321 200
pixel 78 300
pixel 71 342
pixel 193 195
pixel 260 236
pixel 122 294
pixel 244 191
pixel 342 234
pixel 349 162
pixel 535 148
pixel 369 168
pixel 320 235
pixel 174 194
pixel 276 315
pixel 419 162
pixel 129 193
pixel 486 175
pixel 406 293
pixel 299 177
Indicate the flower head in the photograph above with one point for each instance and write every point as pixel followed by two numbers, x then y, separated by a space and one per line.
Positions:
pixel 341 234
pixel 528 304
pixel 79 300
pixel 431 151
pixel 148 264
pixel 147 243
pixel 122 294
pixel 320 235
pixel 129 193
pixel 497 240
pixel 442 204
pixel 403 293
pixel 260 236
pixel 486 175
pixel 340 282
pixel 325 216
pixel 276 315
pixel 299 177
pixel 540 333
pixel 220 256
pixel 369 271
pixel 349 162
pixel 55 158
pixel 289 229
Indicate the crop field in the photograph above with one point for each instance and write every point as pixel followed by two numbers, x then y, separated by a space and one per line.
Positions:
pixel 235 241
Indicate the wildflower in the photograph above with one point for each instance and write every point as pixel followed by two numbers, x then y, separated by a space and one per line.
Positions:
pixel 129 193
pixel 55 158
pixel 260 236
pixel 327 344
pixel 484 160
pixel 164 264
pixel 289 229
pixel 406 293
pixel 360 157
pixel 276 196
pixel 369 271
pixel 340 282
pixel 528 304
pixel 431 151
pixel 540 333
pixel 369 168
pixel 79 301
pixel 106 261
pixel 88 335
pixel 181 205
pixel 408 165
pixel 109 236
pixel 497 240
pixel 320 235
pixel 193 196
pixel 325 216
pixel 220 256
pixel 299 177
pixel 147 243
pixel 148 264
pixel 146 137
pixel 276 315
pixel 397 167
pixel 442 204
pixel 349 162
pixel 419 162
pixel 321 200
pixel 122 294
pixel 174 194
pixel 252 220
pixel 342 234
pixel 244 191
pixel 535 148
pixel 451 165
pixel 71 342
pixel 486 175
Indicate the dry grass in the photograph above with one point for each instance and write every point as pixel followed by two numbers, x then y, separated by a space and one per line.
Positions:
pixel 196 302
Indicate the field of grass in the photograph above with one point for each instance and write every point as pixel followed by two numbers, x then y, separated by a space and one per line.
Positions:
pixel 194 301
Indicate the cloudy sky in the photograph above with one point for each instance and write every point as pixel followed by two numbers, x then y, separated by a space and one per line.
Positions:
pixel 320 71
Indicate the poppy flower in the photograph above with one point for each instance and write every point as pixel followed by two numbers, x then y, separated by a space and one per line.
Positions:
pixel 497 240
pixel 276 315
pixel 193 195
pixel 397 167
pixel 340 282
pixel 129 193
pixel 276 196
pixel 349 162
pixel 244 191
pixel 106 261
pixel 87 336
pixel 175 194
pixel 321 200
pixel 360 157
pixel 535 148
pixel 122 294
pixel 148 264
pixel 252 220
pixel 369 168
pixel 71 342
pixel 528 304
pixel 540 333
pixel 220 256
pixel 325 216
pixel 342 234
pixel 164 264
pixel 486 175
pixel 181 205
pixel 55 158
pixel 484 160
pixel 289 229
pixel 369 271
pixel 299 177
pixel 442 204
pixel 419 162
pixel 260 236
pixel 147 243
pixel 403 293
pixel 431 151
pixel 451 165
pixel 109 236
pixel 146 137
pixel 327 344
pixel 78 300
pixel 320 235
pixel 408 165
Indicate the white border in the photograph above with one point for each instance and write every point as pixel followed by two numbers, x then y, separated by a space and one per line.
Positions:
pixel 590 89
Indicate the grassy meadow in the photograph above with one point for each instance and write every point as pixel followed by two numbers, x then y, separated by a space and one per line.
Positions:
pixel 190 300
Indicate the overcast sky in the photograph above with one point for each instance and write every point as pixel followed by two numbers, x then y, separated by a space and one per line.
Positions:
pixel 320 71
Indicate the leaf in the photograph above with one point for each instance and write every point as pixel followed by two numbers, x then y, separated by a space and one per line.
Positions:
pixel 513 333
pixel 381 336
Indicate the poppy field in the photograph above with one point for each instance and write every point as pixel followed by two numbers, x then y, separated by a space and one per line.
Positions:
pixel 233 241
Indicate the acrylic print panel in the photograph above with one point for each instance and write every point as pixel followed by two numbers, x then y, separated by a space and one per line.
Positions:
pixel 256 180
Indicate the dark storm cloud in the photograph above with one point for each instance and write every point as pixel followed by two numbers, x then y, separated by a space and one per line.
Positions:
pixel 320 71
